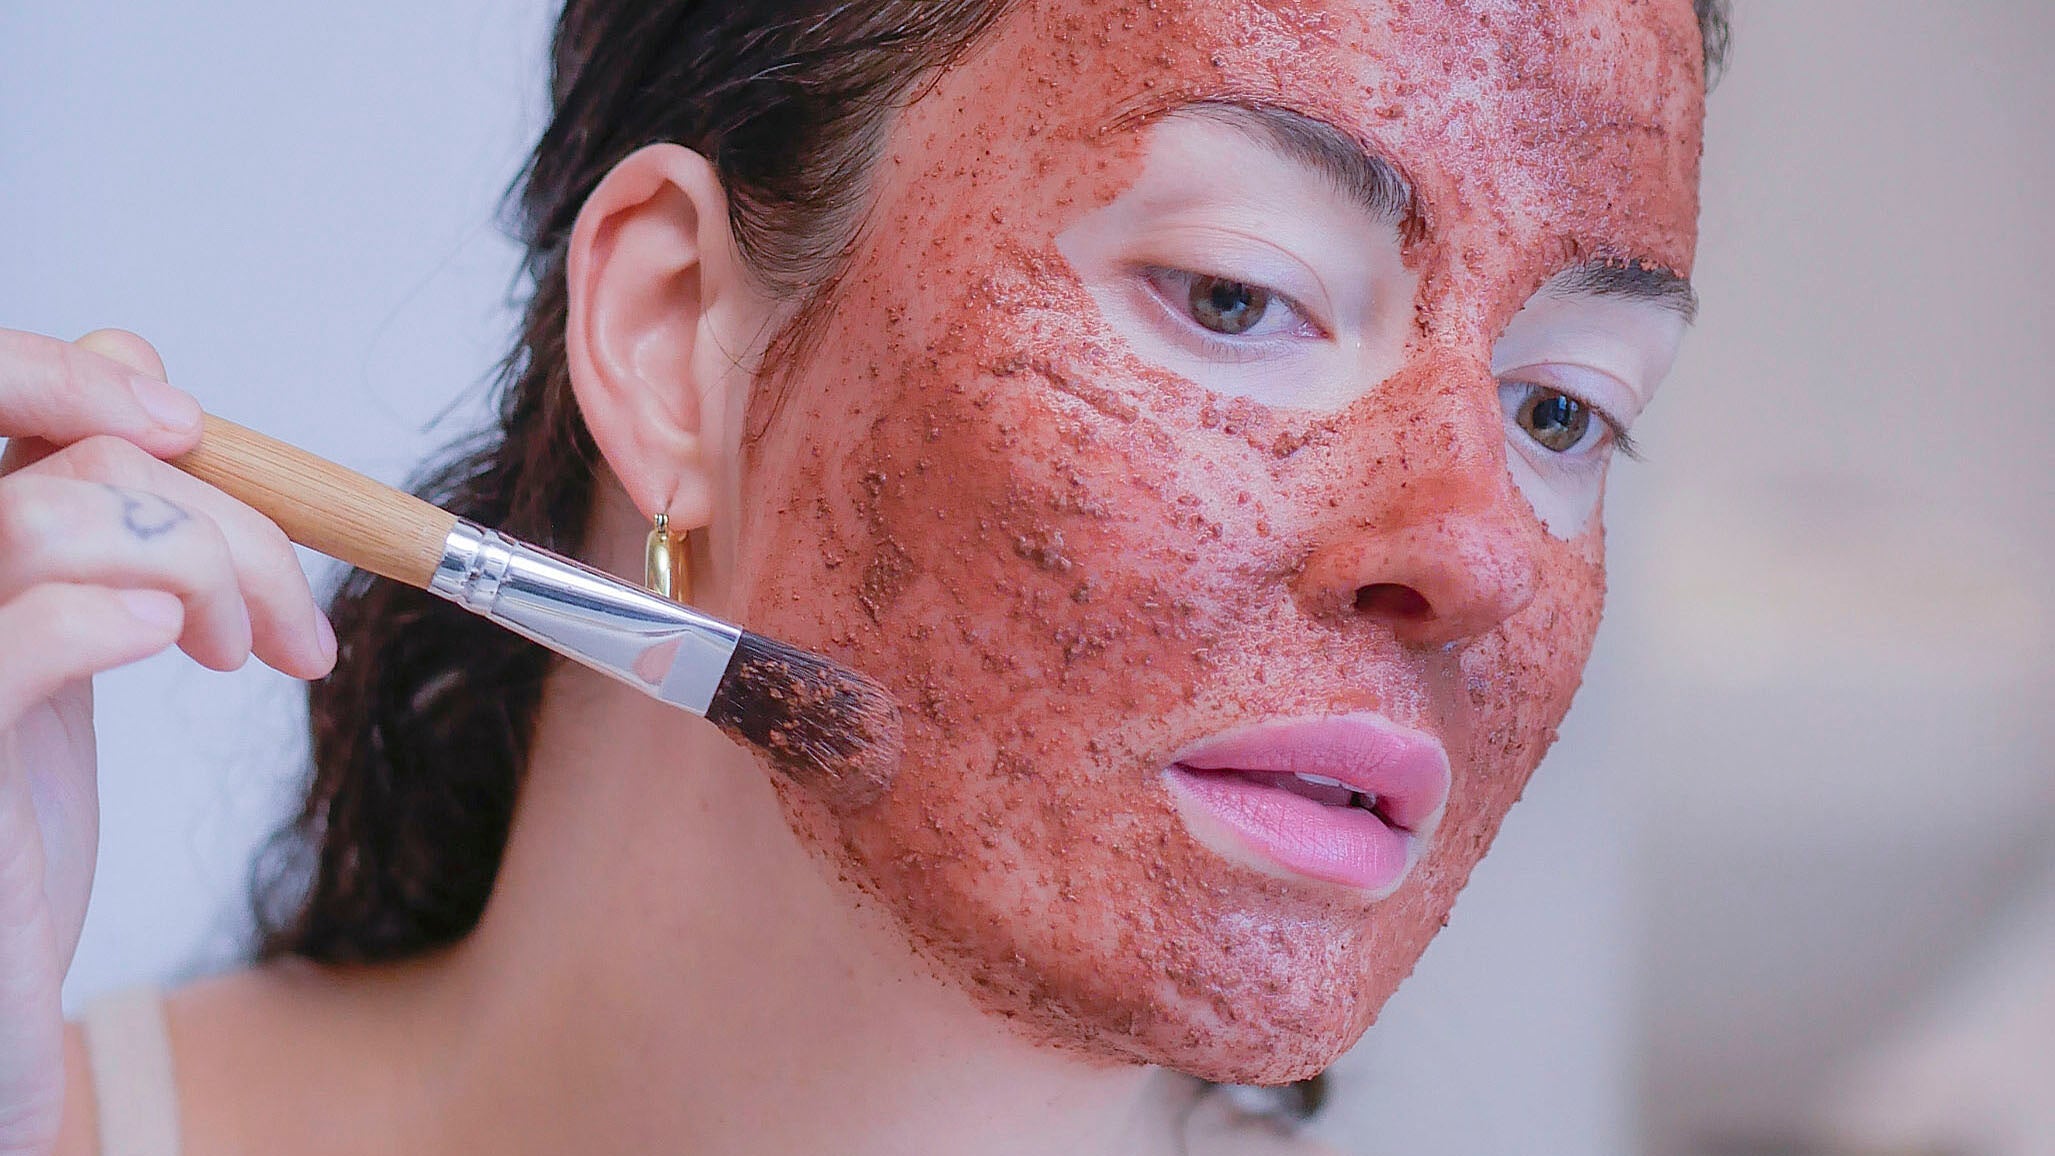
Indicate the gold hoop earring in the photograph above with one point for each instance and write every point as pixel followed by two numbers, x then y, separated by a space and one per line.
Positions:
pixel 665 568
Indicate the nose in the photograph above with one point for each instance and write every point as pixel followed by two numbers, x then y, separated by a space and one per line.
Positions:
pixel 1449 578
pixel 1438 546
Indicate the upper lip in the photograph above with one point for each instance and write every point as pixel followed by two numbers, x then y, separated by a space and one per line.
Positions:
pixel 1407 770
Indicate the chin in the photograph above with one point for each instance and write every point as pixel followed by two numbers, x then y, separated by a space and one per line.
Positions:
pixel 1138 945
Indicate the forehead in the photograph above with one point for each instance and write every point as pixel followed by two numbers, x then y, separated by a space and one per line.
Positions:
pixel 1567 122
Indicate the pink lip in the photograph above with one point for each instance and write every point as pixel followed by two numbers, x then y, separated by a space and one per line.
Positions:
pixel 1406 770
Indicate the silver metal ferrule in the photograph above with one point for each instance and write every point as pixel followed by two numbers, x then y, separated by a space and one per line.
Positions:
pixel 657 646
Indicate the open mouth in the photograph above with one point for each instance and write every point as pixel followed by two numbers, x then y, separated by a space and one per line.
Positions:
pixel 1323 790
pixel 1349 799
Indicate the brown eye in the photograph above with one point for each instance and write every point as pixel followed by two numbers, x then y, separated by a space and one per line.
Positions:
pixel 1229 307
pixel 1556 421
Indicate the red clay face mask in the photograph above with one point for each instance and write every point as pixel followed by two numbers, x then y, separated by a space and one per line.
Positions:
pixel 1149 411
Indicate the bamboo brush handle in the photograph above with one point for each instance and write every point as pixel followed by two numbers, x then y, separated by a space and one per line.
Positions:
pixel 323 506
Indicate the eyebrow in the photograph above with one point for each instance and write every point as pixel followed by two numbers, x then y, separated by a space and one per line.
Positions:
pixel 1370 180
pixel 1377 185
pixel 1630 280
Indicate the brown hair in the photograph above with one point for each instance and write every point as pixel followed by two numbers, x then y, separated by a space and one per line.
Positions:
pixel 421 735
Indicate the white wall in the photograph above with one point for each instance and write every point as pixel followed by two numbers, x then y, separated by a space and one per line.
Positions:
pixel 294 202
pixel 1970 1066
pixel 1835 577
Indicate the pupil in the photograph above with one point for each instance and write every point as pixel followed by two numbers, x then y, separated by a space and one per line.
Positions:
pixel 1227 306
pixel 1558 422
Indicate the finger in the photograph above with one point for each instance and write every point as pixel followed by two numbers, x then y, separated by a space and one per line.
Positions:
pixel 119 345
pixel 56 529
pixel 55 635
pixel 289 632
pixel 127 348
pixel 62 631
pixel 25 451
pixel 61 392
pixel 31 971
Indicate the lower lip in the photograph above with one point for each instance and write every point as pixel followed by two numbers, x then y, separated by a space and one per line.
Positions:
pixel 1345 845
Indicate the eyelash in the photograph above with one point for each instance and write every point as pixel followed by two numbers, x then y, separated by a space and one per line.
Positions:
pixel 1225 348
pixel 1622 442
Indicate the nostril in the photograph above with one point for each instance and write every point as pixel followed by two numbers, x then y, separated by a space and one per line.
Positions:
pixel 1392 600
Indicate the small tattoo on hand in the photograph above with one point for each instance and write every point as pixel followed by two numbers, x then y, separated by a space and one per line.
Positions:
pixel 146 515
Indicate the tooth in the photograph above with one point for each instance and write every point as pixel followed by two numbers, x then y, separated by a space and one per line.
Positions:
pixel 1318 780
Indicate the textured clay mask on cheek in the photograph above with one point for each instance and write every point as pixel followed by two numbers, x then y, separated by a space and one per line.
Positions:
pixel 1067 564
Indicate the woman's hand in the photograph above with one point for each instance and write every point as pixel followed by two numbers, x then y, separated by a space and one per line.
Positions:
pixel 107 555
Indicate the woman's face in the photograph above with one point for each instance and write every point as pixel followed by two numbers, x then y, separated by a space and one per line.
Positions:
pixel 1203 366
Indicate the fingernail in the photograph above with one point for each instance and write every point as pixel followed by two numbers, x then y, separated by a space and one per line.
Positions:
pixel 171 407
pixel 152 607
pixel 327 635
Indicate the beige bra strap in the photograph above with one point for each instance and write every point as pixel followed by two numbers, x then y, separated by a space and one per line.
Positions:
pixel 133 1085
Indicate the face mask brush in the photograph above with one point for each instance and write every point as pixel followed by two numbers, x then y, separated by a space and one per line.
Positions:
pixel 824 725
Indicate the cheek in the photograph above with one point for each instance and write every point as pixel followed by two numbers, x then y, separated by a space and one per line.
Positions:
pixel 1517 684
pixel 1029 548
pixel 1006 493
pixel 1014 545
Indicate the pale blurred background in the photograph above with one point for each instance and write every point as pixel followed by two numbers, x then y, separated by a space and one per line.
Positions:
pixel 1786 887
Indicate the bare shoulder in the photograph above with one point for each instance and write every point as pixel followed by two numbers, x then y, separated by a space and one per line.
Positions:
pixel 207 1023
pixel 1217 1127
pixel 214 1029
pixel 260 1052
pixel 255 1054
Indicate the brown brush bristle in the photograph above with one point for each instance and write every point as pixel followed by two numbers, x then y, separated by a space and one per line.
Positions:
pixel 828 727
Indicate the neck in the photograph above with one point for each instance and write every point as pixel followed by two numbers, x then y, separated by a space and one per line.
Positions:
pixel 663 966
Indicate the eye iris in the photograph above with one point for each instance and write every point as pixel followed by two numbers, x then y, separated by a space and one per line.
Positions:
pixel 1229 307
pixel 1558 421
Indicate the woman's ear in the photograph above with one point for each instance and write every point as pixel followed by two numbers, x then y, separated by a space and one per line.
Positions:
pixel 658 298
